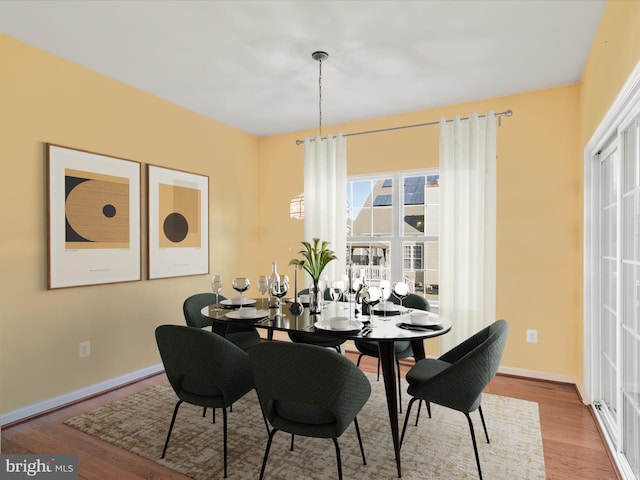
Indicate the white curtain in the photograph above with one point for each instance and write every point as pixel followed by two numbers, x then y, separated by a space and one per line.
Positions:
pixel 325 197
pixel 467 225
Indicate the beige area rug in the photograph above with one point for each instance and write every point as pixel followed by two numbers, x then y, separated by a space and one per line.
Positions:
pixel 439 448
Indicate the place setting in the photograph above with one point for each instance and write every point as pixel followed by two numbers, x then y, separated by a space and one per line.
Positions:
pixel 421 320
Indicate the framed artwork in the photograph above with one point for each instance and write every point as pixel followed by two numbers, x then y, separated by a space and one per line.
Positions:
pixel 178 223
pixel 93 218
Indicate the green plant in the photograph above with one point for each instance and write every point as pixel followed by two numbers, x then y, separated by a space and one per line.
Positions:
pixel 316 256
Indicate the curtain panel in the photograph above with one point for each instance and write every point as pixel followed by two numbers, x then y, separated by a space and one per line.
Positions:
pixel 325 197
pixel 467 225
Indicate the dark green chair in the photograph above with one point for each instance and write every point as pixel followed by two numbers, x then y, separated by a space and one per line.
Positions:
pixel 402 348
pixel 242 335
pixel 308 390
pixel 203 369
pixel 313 339
pixel 457 378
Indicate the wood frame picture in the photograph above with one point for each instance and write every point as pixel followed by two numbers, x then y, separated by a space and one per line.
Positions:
pixel 178 223
pixel 93 218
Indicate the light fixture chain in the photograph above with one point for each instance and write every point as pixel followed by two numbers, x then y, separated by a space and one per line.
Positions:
pixel 320 56
pixel 320 98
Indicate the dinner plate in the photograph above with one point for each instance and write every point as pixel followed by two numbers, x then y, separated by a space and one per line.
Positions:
pixel 235 302
pixel 420 328
pixel 241 315
pixel 388 309
pixel 353 325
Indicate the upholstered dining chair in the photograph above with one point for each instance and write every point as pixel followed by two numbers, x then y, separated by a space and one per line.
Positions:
pixel 308 390
pixel 402 348
pixel 457 378
pixel 243 336
pixel 313 339
pixel 203 369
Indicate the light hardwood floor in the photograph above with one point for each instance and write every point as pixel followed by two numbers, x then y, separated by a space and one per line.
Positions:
pixel 573 447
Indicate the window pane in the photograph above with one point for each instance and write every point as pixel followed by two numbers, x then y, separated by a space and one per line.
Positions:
pixel 382 221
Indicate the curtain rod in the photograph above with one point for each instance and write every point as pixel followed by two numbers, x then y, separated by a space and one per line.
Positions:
pixel 506 113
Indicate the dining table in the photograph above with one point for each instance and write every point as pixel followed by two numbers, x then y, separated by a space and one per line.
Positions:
pixel 383 326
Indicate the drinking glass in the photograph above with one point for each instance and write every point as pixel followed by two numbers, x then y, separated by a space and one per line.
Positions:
pixel 401 290
pixel 263 287
pixel 216 286
pixel 371 296
pixel 241 285
pixel 336 290
pixel 279 289
pixel 385 289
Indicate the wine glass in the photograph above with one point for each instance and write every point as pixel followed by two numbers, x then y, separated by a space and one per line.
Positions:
pixel 401 290
pixel 371 296
pixel 216 286
pixel 385 289
pixel 241 285
pixel 263 287
pixel 279 289
pixel 336 290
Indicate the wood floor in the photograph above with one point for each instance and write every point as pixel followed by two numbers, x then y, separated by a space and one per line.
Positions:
pixel 573 448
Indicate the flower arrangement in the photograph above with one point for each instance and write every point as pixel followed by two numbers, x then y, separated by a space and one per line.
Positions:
pixel 316 256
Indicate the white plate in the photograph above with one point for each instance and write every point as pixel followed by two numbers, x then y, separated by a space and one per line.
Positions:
pixel 353 325
pixel 431 320
pixel 238 315
pixel 235 302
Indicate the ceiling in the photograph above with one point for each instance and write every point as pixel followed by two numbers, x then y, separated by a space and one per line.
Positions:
pixel 248 63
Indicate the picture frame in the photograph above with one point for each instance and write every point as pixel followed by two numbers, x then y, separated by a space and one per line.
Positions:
pixel 178 223
pixel 93 218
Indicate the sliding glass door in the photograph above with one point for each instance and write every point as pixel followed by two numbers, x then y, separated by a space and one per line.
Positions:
pixel 612 290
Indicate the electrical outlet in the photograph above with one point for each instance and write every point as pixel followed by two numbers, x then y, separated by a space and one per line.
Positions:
pixel 532 336
pixel 85 349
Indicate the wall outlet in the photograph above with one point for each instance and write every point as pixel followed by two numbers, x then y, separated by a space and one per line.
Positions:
pixel 85 349
pixel 532 336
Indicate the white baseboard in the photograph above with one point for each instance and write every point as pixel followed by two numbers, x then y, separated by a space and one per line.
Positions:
pixel 76 395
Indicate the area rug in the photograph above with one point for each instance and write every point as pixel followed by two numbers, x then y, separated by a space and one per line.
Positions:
pixel 438 448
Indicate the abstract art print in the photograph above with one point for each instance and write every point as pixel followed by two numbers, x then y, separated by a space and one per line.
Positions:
pixel 178 223
pixel 93 218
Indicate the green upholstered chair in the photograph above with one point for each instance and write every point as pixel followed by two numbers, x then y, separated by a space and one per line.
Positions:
pixel 243 336
pixel 313 339
pixel 402 348
pixel 203 369
pixel 457 378
pixel 308 390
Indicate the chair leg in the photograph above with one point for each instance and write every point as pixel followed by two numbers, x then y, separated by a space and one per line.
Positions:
pixel 335 442
pixel 292 437
pixel 378 368
pixel 264 417
pixel 173 420
pixel 420 408
pixel 475 446
pixel 406 419
pixel 359 358
pixel 224 436
pixel 266 453
pixel 204 411
pixel 483 424
pixel 355 422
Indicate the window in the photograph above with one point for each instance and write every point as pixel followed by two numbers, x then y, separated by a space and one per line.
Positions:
pixel 393 229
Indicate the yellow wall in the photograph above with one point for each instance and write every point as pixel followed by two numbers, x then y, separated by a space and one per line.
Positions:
pixel 614 54
pixel 537 201
pixel 47 99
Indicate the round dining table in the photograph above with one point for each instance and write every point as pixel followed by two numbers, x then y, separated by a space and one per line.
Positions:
pixel 384 327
